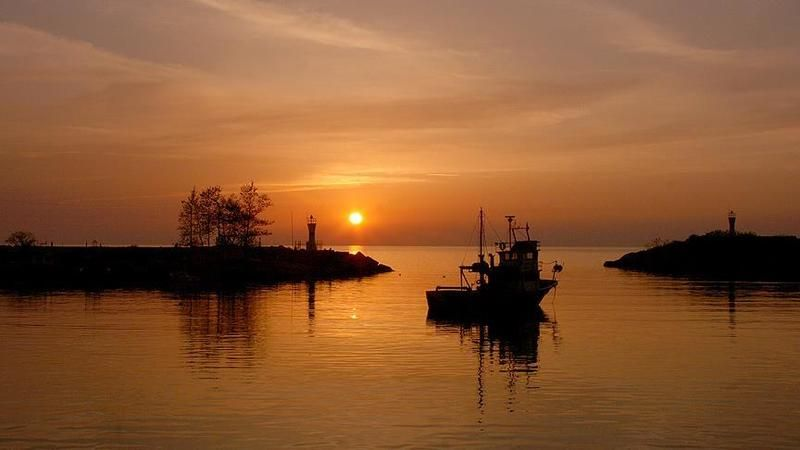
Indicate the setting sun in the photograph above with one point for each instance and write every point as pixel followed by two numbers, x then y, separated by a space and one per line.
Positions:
pixel 355 218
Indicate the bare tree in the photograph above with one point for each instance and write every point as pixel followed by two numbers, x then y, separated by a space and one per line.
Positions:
pixel 209 213
pixel 234 220
pixel 21 239
pixel 230 220
pixel 656 242
pixel 253 204
pixel 189 220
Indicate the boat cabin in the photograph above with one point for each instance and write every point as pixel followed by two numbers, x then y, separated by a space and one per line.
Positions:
pixel 521 252
pixel 522 259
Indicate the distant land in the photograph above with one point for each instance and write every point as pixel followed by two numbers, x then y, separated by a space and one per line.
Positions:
pixel 218 246
pixel 174 267
pixel 720 255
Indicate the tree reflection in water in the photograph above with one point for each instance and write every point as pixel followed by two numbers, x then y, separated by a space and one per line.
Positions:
pixel 219 328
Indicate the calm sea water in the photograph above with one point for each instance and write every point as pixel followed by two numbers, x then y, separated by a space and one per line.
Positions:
pixel 620 360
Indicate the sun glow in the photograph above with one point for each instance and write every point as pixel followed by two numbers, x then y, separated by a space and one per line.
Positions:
pixel 355 218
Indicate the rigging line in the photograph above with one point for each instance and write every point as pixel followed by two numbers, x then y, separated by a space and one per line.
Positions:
pixel 494 230
pixel 471 235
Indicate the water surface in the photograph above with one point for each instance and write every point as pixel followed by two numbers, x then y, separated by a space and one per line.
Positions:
pixel 619 359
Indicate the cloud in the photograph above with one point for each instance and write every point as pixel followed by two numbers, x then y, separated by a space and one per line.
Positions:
pixel 65 96
pixel 347 179
pixel 326 181
pixel 533 103
pixel 30 55
pixel 309 26
pixel 631 32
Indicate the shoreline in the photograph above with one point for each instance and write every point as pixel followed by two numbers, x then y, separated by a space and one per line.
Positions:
pixel 175 267
pixel 719 256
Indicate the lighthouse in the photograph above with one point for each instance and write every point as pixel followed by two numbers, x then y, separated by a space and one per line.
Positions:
pixel 311 244
pixel 732 223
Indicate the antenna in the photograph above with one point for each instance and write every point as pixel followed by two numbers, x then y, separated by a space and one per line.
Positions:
pixel 510 230
pixel 291 220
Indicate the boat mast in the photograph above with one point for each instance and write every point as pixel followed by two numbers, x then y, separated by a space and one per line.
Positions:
pixel 481 238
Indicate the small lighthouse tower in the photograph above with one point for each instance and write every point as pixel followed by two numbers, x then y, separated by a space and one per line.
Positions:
pixel 311 244
pixel 732 223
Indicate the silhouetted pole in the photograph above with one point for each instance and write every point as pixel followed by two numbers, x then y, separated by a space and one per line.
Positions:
pixel 732 223
pixel 481 256
pixel 510 230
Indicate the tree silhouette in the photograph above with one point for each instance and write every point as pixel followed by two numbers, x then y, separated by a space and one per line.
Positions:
pixel 252 204
pixel 230 221
pixel 209 213
pixel 21 239
pixel 189 220
pixel 226 220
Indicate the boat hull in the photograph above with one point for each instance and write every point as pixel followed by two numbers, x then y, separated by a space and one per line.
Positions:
pixel 472 302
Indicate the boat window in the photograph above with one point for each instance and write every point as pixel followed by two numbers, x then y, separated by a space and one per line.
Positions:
pixel 529 255
pixel 513 256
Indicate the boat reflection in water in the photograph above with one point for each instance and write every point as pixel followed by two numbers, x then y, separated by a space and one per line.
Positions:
pixel 509 343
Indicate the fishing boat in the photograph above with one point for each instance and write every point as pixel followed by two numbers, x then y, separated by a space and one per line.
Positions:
pixel 512 285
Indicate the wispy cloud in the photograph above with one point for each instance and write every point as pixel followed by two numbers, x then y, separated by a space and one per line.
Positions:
pixel 631 32
pixel 328 181
pixel 347 180
pixel 28 54
pixel 306 25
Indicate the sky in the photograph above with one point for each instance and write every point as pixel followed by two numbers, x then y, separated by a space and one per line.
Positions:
pixel 600 122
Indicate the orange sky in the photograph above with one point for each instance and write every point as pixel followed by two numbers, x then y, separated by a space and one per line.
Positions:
pixel 600 122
